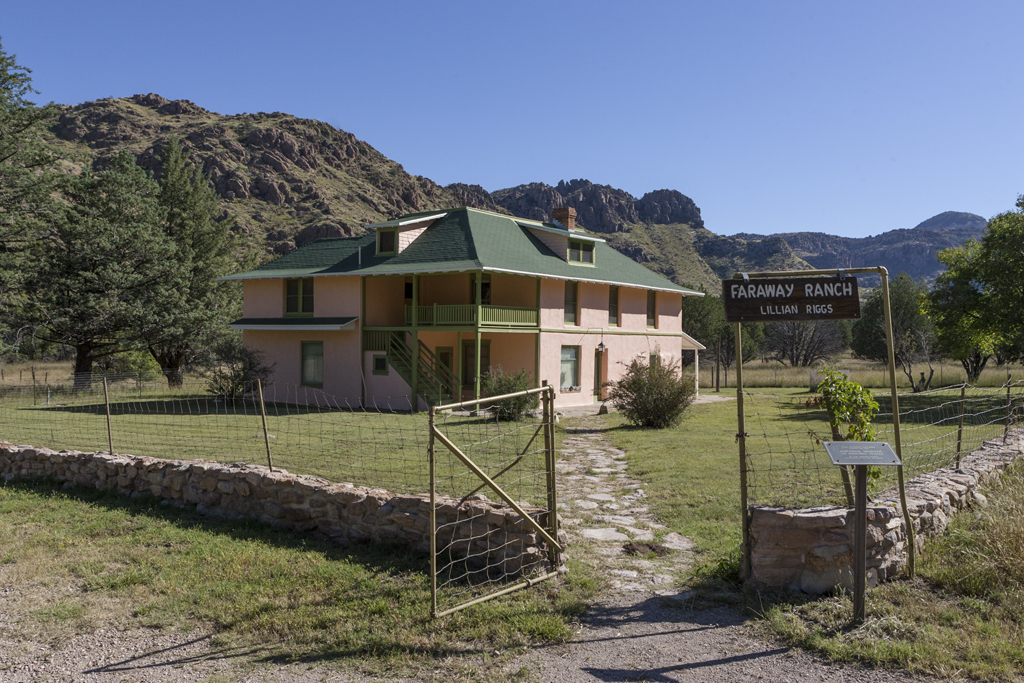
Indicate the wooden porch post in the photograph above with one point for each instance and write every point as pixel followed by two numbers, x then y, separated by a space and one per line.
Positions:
pixel 415 343
pixel 536 351
pixel 479 336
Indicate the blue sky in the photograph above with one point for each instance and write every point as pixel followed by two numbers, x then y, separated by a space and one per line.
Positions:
pixel 846 118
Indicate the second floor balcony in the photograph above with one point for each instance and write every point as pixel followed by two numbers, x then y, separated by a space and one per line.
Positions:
pixel 466 315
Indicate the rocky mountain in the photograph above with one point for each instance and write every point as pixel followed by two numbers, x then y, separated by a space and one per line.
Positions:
pixel 912 250
pixel 952 220
pixel 285 181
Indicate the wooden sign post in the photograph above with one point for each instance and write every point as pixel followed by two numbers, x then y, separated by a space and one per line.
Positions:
pixel 860 454
pixel 828 294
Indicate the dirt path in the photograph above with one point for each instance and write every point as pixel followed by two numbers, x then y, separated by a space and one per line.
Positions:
pixel 643 630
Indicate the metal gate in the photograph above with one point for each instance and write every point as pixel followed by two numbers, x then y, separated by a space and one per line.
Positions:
pixel 481 548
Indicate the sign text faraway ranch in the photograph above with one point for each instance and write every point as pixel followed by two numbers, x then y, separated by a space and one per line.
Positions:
pixel 781 299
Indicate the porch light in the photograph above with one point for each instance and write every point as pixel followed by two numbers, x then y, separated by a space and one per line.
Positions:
pixel 601 348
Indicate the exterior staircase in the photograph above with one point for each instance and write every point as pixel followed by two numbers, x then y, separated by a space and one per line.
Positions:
pixel 436 384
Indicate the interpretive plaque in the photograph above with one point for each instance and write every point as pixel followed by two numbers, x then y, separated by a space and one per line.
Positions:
pixel 861 453
pixel 786 299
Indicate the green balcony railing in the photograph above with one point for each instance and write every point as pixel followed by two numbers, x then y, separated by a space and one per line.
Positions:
pixel 497 316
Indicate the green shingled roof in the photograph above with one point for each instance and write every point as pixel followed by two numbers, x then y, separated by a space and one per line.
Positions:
pixel 463 240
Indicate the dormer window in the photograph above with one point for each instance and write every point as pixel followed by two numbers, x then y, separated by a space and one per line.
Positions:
pixel 387 241
pixel 581 252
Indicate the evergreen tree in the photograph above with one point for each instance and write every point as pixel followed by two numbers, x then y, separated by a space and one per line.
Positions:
pixel 26 186
pixel 108 264
pixel 204 250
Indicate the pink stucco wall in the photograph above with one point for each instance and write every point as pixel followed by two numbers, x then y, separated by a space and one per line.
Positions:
pixel 336 296
pixel 621 349
pixel 445 289
pixel 385 301
pixel 263 298
pixel 513 290
pixel 284 349
pixel 385 392
pixel 552 299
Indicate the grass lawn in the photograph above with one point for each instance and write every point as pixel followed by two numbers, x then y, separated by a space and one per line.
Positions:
pixel 382 449
pixel 963 616
pixel 79 560
pixel 691 476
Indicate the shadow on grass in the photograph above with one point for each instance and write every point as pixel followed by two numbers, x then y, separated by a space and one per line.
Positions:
pixel 379 560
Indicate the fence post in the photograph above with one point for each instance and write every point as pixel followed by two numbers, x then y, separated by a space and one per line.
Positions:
pixel 263 415
pixel 741 440
pixel 106 402
pixel 960 424
pixel 549 457
pixel 1009 408
pixel 433 517
pixel 35 401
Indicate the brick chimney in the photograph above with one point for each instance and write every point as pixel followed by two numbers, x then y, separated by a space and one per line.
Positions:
pixel 566 215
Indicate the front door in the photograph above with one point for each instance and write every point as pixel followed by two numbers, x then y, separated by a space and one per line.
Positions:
pixel 469 361
pixel 598 374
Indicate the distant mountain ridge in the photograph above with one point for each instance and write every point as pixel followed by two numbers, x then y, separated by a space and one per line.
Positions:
pixel 285 181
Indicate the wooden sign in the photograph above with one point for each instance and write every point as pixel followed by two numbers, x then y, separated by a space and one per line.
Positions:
pixel 785 299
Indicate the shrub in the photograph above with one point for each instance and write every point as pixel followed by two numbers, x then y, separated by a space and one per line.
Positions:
pixel 237 369
pixel 498 382
pixel 652 394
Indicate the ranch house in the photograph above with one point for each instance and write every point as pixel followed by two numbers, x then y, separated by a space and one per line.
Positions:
pixel 424 305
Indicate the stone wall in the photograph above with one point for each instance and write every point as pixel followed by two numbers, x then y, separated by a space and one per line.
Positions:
pixel 491 534
pixel 811 549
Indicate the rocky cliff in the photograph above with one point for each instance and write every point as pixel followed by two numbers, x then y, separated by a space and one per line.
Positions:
pixel 286 181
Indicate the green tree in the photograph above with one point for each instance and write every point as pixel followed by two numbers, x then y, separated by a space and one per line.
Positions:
pixel 204 252
pixel 912 330
pixel 107 264
pixel 703 318
pixel 26 187
pixel 959 307
pixel 1000 263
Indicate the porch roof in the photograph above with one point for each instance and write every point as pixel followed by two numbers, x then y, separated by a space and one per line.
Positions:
pixel 463 240
pixel 324 324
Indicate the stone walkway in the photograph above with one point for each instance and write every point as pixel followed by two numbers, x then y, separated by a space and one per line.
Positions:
pixel 602 508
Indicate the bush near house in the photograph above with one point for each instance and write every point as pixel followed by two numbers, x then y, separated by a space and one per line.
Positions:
pixel 652 394
pixel 498 382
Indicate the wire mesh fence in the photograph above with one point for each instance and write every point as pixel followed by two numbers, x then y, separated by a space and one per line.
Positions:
pixel 788 466
pixel 496 530
pixel 492 491
pixel 309 432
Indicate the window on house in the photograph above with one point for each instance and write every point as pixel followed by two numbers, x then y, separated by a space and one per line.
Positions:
pixel 298 296
pixel 571 302
pixel 387 241
pixel 570 375
pixel 652 308
pixel 469 361
pixel 312 364
pixel 408 290
pixel 380 364
pixel 581 252
pixel 613 305
pixel 485 289
pixel 654 359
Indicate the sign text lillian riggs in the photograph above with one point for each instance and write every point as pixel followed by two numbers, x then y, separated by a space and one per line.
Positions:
pixel 785 299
